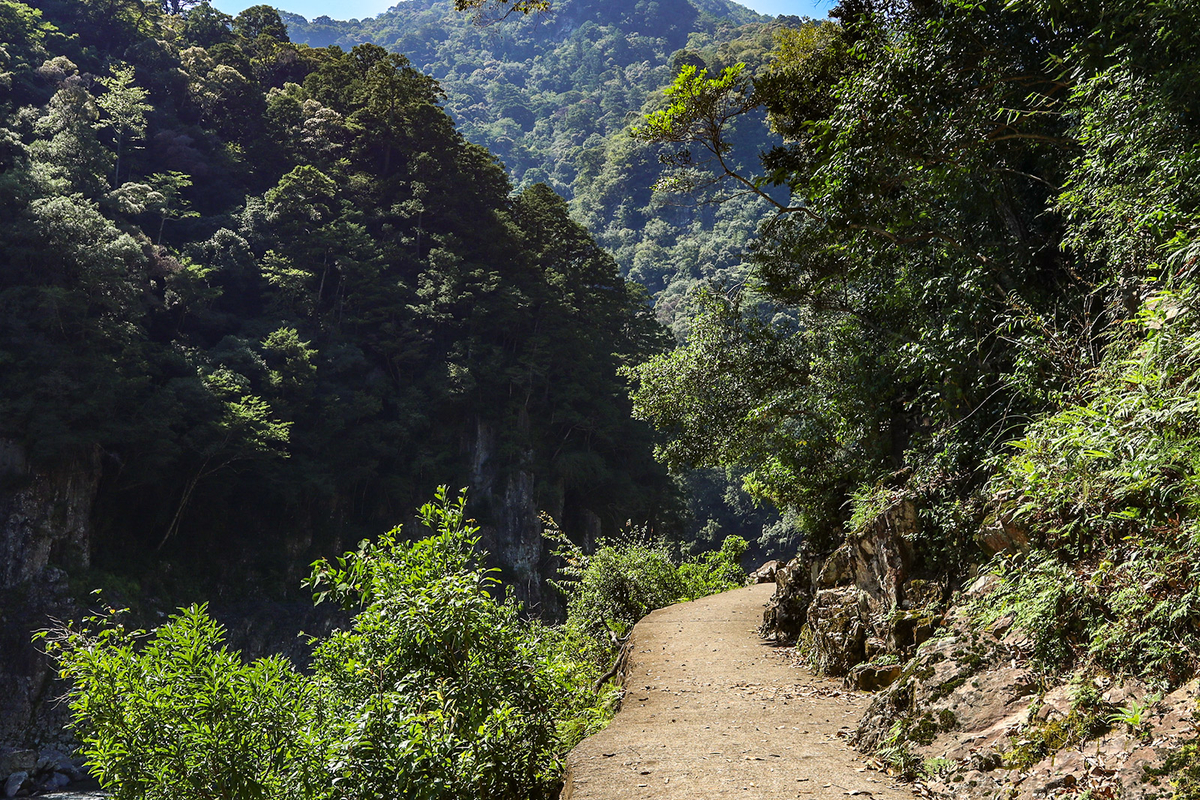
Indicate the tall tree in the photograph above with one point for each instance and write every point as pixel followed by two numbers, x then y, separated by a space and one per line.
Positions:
pixel 126 106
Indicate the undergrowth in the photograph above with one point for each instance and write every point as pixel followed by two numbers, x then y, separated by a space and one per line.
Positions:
pixel 441 688
pixel 1108 491
pixel 1087 718
pixel 627 577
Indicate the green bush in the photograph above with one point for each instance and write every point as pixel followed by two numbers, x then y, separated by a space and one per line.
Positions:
pixel 439 689
pixel 627 578
pixel 619 584
pixel 1108 491
pixel 715 571
pixel 174 715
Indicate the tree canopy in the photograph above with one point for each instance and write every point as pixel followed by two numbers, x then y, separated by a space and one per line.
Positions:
pixel 972 206
pixel 281 297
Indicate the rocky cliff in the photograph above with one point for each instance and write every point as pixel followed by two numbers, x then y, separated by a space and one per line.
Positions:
pixel 960 705
pixel 46 539
pixel 45 530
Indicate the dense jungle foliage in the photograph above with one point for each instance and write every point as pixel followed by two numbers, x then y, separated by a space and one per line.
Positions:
pixel 980 296
pixel 440 689
pixel 553 94
pixel 275 297
pixel 254 277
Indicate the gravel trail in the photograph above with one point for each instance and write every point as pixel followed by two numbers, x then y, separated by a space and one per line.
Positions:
pixel 713 711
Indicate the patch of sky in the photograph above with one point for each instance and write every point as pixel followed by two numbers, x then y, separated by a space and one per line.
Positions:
pixel 360 9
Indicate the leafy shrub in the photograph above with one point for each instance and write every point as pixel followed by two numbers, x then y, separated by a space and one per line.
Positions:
pixel 173 715
pixel 715 571
pixel 439 689
pixel 627 578
pixel 1112 487
pixel 619 584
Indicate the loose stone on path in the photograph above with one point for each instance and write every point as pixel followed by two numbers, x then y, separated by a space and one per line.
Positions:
pixel 712 711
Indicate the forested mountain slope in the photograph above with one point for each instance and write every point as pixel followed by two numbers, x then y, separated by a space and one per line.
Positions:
pixel 264 297
pixel 552 95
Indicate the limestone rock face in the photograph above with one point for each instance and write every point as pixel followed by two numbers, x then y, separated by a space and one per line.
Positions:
pixel 870 677
pixel 864 600
pixel 45 518
pixel 999 534
pixel 45 526
pixel 970 701
pixel 839 631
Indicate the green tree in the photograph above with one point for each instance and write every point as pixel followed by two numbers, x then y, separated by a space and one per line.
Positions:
pixel 67 149
pixel 175 714
pixel 917 195
pixel 126 106
pixel 260 20
pixel 242 429
pixel 206 26
pixel 169 186
pixel 439 689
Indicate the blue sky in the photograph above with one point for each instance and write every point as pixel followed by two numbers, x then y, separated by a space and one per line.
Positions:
pixel 357 9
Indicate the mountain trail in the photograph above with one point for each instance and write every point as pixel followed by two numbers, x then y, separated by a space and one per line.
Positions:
pixel 711 710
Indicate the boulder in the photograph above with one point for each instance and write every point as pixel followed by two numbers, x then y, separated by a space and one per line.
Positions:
pixel 14 783
pixel 838 569
pixel 872 677
pixel 17 760
pixel 999 534
pixel 766 573
pixel 54 760
pixel 57 781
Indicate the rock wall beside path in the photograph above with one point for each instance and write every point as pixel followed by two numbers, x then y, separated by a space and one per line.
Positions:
pixel 970 704
pixel 959 705
pixel 865 607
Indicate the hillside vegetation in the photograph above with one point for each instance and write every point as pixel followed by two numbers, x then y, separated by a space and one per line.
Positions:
pixel 273 293
pixel 552 95
pixel 970 336
pixel 273 296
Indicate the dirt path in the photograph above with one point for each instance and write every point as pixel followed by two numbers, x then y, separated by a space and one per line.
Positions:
pixel 712 711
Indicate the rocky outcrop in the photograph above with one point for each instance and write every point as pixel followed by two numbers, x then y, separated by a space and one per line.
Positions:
pixel 971 713
pixel 509 499
pixel 958 703
pixel 865 601
pixel 1000 534
pixel 45 517
pixel 766 573
pixel 24 772
pixel 787 612
pixel 45 528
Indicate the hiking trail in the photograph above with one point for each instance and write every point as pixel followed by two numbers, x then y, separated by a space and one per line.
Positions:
pixel 711 711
